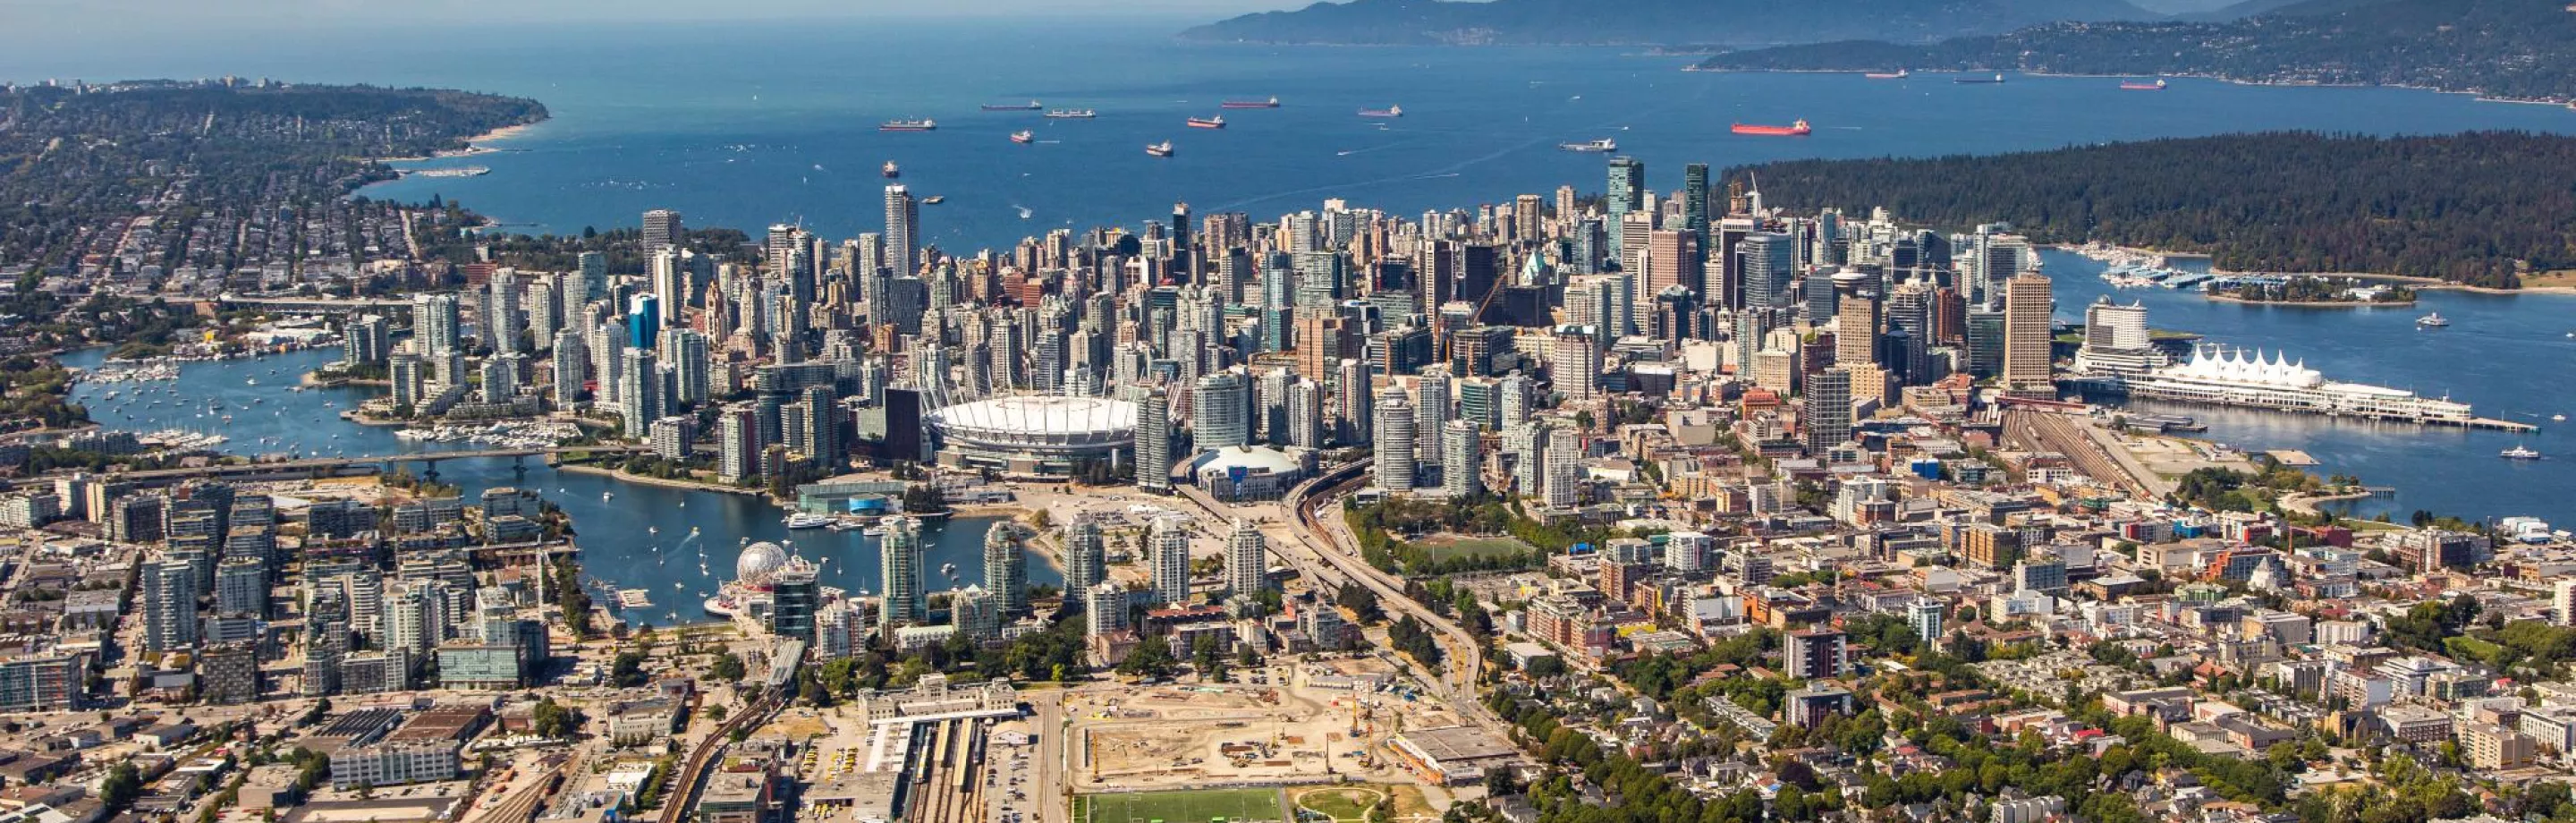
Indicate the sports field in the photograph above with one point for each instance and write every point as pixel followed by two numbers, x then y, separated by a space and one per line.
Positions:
pixel 1230 805
pixel 1449 546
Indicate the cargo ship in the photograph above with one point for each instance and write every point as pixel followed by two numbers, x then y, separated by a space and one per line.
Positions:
pixel 910 125
pixel 1023 137
pixel 1602 145
pixel 1977 79
pixel 892 172
pixel 1798 129
pixel 1207 122
pixel 1072 114
pixel 1390 111
pixel 2140 85
pixel 1271 103
pixel 1898 74
pixel 1029 106
pixel 1162 149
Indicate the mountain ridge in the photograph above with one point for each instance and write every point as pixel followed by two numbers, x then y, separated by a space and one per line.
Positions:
pixel 1648 22
pixel 2516 49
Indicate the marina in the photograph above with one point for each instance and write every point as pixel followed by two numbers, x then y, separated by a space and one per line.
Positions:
pixel 631 535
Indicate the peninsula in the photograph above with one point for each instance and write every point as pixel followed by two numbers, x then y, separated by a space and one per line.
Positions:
pixel 2270 202
pixel 1648 22
pixel 2500 48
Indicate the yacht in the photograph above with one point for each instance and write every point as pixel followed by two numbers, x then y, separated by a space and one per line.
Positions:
pixel 807 521
pixel 2520 453
pixel 2432 321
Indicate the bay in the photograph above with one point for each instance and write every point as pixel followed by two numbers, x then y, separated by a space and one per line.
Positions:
pixel 631 535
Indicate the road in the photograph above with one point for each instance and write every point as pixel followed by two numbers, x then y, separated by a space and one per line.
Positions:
pixel 1324 552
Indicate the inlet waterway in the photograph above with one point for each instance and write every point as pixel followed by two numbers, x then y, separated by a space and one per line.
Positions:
pixel 631 535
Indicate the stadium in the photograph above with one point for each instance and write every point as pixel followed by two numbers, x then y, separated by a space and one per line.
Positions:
pixel 1034 436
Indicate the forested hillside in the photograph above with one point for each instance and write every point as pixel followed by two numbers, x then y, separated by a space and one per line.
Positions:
pixel 2523 49
pixel 2475 208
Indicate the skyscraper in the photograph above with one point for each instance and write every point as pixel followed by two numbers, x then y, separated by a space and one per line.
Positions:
pixel 1085 557
pixel 1393 436
pixel 1829 409
pixel 1626 192
pixel 434 322
pixel 902 219
pixel 1246 560
pixel 1220 411
pixel 1463 460
pixel 1695 208
pixel 502 320
pixel 1770 266
pixel 796 594
pixel 1006 566
pixel 1564 468
pixel 1154 441
pixel 2026 368
pixel 661 228
pixel 901 566
pixel 169 605
pixel 1169 558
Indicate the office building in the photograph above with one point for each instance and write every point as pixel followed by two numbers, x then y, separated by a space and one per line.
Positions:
pixel 2026 368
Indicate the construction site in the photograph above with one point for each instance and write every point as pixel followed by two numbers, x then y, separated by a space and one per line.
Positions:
pixel 1300 723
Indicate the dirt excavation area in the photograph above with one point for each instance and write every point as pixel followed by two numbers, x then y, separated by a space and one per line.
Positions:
pixel 1286 723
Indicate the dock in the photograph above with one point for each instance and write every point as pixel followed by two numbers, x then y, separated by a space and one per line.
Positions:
pixel 2293 458
pixel 634 599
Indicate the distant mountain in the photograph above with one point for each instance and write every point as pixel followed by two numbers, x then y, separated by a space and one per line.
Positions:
pixel 2250 8
pixel 1651 22
pixel 2524 49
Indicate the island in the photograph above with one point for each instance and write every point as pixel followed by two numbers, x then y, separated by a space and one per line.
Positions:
pixel 2268 202
pixel 2514 50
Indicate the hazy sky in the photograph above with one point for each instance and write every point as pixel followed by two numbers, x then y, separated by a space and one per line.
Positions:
pixel 146 17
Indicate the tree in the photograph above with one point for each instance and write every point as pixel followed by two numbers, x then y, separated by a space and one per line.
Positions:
pixel 628 670
pixel 1152 657
pixel 1361 602
pixel 727 668
pixel 123 784
pixel 1207 658
pixel 551 720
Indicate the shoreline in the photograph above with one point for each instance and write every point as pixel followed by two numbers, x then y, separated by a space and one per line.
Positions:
pixel 2478 96
pixel 473 145
pixel 2310 304
pixel 667 483
pixel 2419 283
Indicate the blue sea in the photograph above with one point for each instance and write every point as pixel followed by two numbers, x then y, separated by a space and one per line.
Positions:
pixel 747 125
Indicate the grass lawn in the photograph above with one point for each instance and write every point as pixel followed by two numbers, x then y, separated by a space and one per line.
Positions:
pixel 1347 804
pixel 1183 807
pixel 1447 546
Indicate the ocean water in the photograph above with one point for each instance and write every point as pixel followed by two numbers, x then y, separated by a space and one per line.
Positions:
pixel 747 125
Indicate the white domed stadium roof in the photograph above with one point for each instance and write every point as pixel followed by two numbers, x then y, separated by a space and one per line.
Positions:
pixel 759 562
pixel 1039 423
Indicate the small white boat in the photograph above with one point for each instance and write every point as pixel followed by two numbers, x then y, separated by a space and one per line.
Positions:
pixel 2520 453
pixel 2432 321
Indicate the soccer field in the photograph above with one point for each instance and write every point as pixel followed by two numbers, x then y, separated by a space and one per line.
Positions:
pixel 1184 807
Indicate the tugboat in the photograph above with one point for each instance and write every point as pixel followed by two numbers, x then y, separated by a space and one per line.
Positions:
pixel 1271 103
pixel 2520 453
pixel 1798 129
pixel 2140 85
pixel 891 172
pixel 1162 149
pixel 1207 122
pixel 924 124
pixel 1390 111
pixel 2432 321
pixel 1023 137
